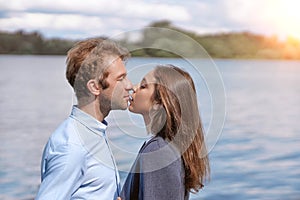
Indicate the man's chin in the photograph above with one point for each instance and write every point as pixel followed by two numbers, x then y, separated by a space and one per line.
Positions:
pixel 120 107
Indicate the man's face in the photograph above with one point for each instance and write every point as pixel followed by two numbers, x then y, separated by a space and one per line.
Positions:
pixel 119 86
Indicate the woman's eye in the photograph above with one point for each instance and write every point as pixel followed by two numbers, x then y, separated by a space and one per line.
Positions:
pixel 143 86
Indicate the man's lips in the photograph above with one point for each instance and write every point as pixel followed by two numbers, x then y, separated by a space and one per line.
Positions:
pixel 128 98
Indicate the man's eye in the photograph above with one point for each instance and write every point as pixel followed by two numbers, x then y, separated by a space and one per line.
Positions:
pixel 121 78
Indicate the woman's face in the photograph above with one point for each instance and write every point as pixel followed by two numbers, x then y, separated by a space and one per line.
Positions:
pixel 142 101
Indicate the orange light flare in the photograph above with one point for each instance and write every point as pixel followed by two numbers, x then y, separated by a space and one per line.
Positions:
pixel 287 14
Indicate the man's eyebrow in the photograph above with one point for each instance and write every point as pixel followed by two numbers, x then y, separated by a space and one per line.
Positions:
pixel 122 75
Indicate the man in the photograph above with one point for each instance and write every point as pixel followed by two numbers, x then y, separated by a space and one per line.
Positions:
pixel 77 162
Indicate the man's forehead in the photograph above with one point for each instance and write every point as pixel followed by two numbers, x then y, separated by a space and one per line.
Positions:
pixel 110 60
pixel 116 66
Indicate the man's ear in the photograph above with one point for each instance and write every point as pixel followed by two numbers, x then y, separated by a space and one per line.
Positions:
pixel 93 87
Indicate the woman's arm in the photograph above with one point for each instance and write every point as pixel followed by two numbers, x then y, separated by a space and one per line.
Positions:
pixel 162 173
pixel 165 183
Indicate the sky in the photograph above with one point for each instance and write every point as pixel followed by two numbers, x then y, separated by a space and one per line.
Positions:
pixel 77 19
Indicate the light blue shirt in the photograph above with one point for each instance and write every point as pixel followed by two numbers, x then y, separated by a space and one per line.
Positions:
pixel 77 162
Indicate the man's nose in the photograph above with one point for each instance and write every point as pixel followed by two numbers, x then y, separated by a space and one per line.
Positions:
pixel 133 90
pixel 129 85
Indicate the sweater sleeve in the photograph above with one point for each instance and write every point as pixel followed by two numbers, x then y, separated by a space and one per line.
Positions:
pixel 161 173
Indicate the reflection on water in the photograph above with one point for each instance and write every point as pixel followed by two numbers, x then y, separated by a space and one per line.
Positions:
pixel 256 157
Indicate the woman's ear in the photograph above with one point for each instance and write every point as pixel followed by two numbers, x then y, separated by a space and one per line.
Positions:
pixel 157 106
pixel 93 87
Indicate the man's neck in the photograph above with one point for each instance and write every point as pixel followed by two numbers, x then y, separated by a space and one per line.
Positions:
pixel 93 110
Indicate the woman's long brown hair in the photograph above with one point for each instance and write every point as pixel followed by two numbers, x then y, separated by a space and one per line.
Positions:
pixel 175 91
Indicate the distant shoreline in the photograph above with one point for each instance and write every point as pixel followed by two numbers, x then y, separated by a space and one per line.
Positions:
pixel 241 59
pixel 242 45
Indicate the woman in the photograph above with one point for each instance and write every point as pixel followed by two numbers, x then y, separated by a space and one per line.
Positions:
pixel 174 161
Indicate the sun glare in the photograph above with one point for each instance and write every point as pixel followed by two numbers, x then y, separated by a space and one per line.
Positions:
pixel 288 17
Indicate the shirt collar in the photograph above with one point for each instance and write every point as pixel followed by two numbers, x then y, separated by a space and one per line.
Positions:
pixel 88 121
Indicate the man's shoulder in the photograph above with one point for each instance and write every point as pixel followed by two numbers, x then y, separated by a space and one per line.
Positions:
pixel 62 143
pixel 64 134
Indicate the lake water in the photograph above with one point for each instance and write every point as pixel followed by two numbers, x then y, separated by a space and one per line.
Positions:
pixel 256 156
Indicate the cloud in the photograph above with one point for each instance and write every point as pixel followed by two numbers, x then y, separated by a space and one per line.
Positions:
pixel 270 17
pixel 51 22
pixel 121 8
pixel 78 18
pixel 66 25
pixel 267 17
pixel 156 11
pixel 208 17
pixel 94 17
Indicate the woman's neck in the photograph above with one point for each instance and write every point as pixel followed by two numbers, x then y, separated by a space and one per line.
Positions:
pixel 147 121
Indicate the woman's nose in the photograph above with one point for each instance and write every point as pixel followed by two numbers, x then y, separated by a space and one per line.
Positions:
pixel 135 87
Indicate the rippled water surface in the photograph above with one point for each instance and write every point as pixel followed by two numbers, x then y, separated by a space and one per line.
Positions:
pixel 257 155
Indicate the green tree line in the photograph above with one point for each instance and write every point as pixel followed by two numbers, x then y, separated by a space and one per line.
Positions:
pixel 244 45
pixel 21 42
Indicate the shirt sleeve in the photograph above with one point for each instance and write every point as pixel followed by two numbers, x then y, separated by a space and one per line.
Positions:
pixel 64 168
